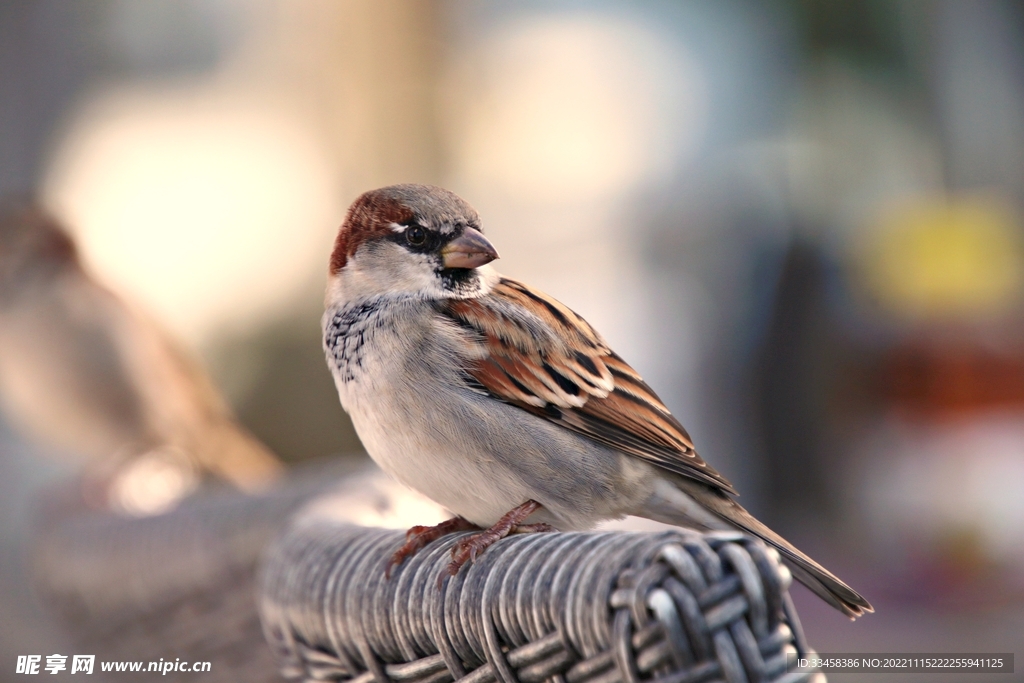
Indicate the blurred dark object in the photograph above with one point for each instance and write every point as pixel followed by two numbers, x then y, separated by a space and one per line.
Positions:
pixel 83 371
pixel 794 381
pixel 869 33
pixel 608 607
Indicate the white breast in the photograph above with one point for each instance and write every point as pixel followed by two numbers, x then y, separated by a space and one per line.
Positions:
pixel 396 367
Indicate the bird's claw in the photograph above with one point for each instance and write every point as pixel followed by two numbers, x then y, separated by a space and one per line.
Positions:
pixel 467 550
pixel 419 537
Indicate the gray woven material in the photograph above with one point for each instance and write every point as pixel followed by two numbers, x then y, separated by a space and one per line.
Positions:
pixel 673 607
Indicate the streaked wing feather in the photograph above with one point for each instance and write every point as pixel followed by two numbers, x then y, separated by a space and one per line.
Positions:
pixel 541 356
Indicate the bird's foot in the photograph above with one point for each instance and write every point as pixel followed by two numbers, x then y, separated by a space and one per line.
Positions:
pixel 419 536
pixel 468 548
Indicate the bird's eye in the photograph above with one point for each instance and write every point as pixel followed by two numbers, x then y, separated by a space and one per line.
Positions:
pixel 415 235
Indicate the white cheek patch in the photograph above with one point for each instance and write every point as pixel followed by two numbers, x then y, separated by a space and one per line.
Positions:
pixel 388 268
pixel 385 268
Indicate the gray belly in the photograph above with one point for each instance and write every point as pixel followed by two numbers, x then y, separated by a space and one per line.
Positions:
pixel 480 458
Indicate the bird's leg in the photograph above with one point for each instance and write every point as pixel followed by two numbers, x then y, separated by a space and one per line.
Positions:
pixel 467 549
pixel 538 528
pixel 419 536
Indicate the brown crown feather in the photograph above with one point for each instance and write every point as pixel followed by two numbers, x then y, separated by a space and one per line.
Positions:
pixel 369 215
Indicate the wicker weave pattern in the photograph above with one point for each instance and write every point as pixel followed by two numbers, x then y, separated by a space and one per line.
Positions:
pixel 676 607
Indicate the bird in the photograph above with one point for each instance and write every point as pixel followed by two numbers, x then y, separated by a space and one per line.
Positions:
pixel 86 372
pixel 499 402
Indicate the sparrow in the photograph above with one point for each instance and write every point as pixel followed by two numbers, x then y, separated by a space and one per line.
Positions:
pixel 83 371
pixel 499 402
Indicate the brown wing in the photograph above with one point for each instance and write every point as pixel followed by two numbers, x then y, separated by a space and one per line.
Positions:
pixel 539 355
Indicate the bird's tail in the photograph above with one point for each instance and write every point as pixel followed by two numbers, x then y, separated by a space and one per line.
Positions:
pixel 689 503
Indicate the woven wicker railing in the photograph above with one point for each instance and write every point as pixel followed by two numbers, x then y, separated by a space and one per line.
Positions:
pixel 673 607
pixel 612 607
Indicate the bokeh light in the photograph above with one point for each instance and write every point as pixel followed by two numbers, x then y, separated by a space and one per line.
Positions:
pixel 212 211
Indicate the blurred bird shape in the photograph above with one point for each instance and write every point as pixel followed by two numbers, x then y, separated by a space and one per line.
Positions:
pixel 85 372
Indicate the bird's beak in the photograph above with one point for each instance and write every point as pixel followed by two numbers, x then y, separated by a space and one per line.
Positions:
pixel 469 250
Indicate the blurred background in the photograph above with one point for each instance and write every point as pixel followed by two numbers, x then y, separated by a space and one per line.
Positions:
pixel 800 220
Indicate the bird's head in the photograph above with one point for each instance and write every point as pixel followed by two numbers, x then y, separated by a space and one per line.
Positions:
pixel 33 245
pixel 415 240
